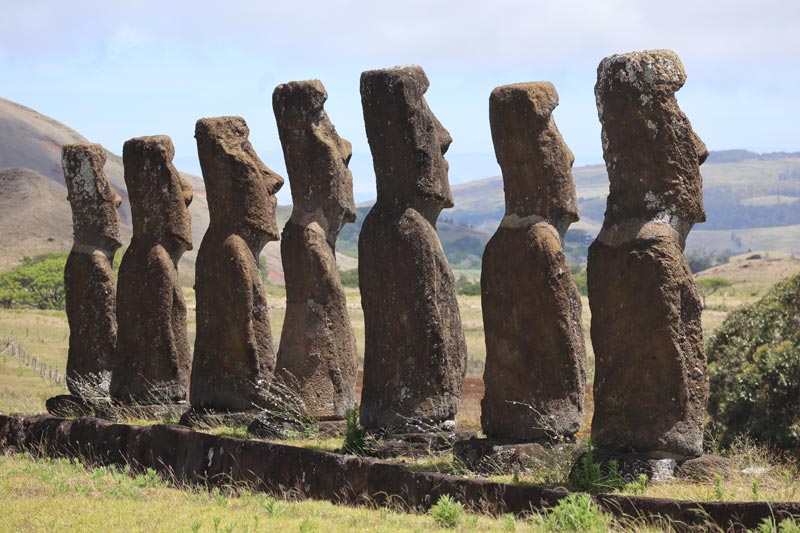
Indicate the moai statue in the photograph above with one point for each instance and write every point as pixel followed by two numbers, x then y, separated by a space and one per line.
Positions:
pixel 89 284
pixel 234 357
pixel 535 371
pixel 415 352
pixel 317 348
pixel 151 362
pixel 650 386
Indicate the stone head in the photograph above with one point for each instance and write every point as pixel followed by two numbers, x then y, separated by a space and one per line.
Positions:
pixel 651 151
pixel 159 196
pixel 407 142
pixel 535 160
pixel 316 156
pixel 94 202
pixel 240 187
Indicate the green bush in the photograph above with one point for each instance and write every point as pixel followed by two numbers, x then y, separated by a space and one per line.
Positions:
pixel 575 512
pixel 754 370
pixel 447 512
pixel 354 434
pixel 787 525
pixel 589 475
pixel 580 282
pixel 37 283
pixel 349 278
pixel 470 289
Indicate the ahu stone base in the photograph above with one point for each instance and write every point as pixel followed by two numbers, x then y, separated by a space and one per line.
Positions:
pixel 265 426
pixel 68 406
pixel 658 467
pixel 385 444
pixel 501 456
pixel 72 406
pixel 200 418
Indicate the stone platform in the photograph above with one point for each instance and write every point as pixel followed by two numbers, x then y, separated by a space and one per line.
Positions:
pixel 661 467
pixel 384 444
pixel 210 460
pixel 500 456
pixel 266 427
pixel 71 406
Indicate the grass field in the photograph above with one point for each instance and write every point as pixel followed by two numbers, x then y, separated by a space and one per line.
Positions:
pixel 55 495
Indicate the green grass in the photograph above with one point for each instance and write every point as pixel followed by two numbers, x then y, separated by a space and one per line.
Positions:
pixel 62 495
pixel 59 495
pixel 21 388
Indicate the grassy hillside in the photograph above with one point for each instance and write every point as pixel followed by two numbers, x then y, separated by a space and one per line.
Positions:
pixel 33 215
pixel 34 212
pixel 751 203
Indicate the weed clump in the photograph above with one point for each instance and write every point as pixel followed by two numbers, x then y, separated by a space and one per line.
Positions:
pixel 575 512
pixel 595 477
pixel 447 513
pixel 354 435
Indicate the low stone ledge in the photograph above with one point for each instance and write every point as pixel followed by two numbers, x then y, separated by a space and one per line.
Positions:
pixel 186 455
pixel 493 456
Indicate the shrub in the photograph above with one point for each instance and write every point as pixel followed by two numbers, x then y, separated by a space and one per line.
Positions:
pixel 37 283
pixel 354 434
pixel 593 477
pixel 447 512
pixel 580 282
pixel 787 525
pixel 470 289
pixel 754 370
pixel 575 512
pixel 349 278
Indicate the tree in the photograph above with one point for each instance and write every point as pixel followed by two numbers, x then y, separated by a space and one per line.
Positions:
pixel 38 282
pixel 709 286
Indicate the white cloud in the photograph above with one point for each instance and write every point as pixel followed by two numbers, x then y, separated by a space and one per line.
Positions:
pixel 124 42
pixel 472 32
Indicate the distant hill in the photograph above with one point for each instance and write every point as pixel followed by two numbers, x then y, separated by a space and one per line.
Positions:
pixel 752 201
pixel 34 213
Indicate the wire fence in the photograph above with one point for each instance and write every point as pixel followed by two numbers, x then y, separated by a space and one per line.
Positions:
pixel 46 371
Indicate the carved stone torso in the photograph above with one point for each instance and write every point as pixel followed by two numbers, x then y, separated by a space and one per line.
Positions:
pixel 415 350
pixel 234 354
pixel 152 358
pixel 91 303
pixel 318 347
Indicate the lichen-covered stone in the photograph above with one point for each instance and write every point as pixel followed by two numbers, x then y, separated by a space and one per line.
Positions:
pixel 152 359
pixel 234 356
pixel 650 387
pixel 535 370
pixel 317 351
pixel 415 352
pixel 89 283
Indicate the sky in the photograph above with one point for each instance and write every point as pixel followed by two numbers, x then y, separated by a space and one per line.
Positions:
pixel 113 70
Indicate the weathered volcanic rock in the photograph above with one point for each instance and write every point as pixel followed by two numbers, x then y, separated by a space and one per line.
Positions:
pixel 89 285
pixel 317 348
pixel 151 362
pixel 650 385
pixel 234 357
pixel 535 370
pixel 415 352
